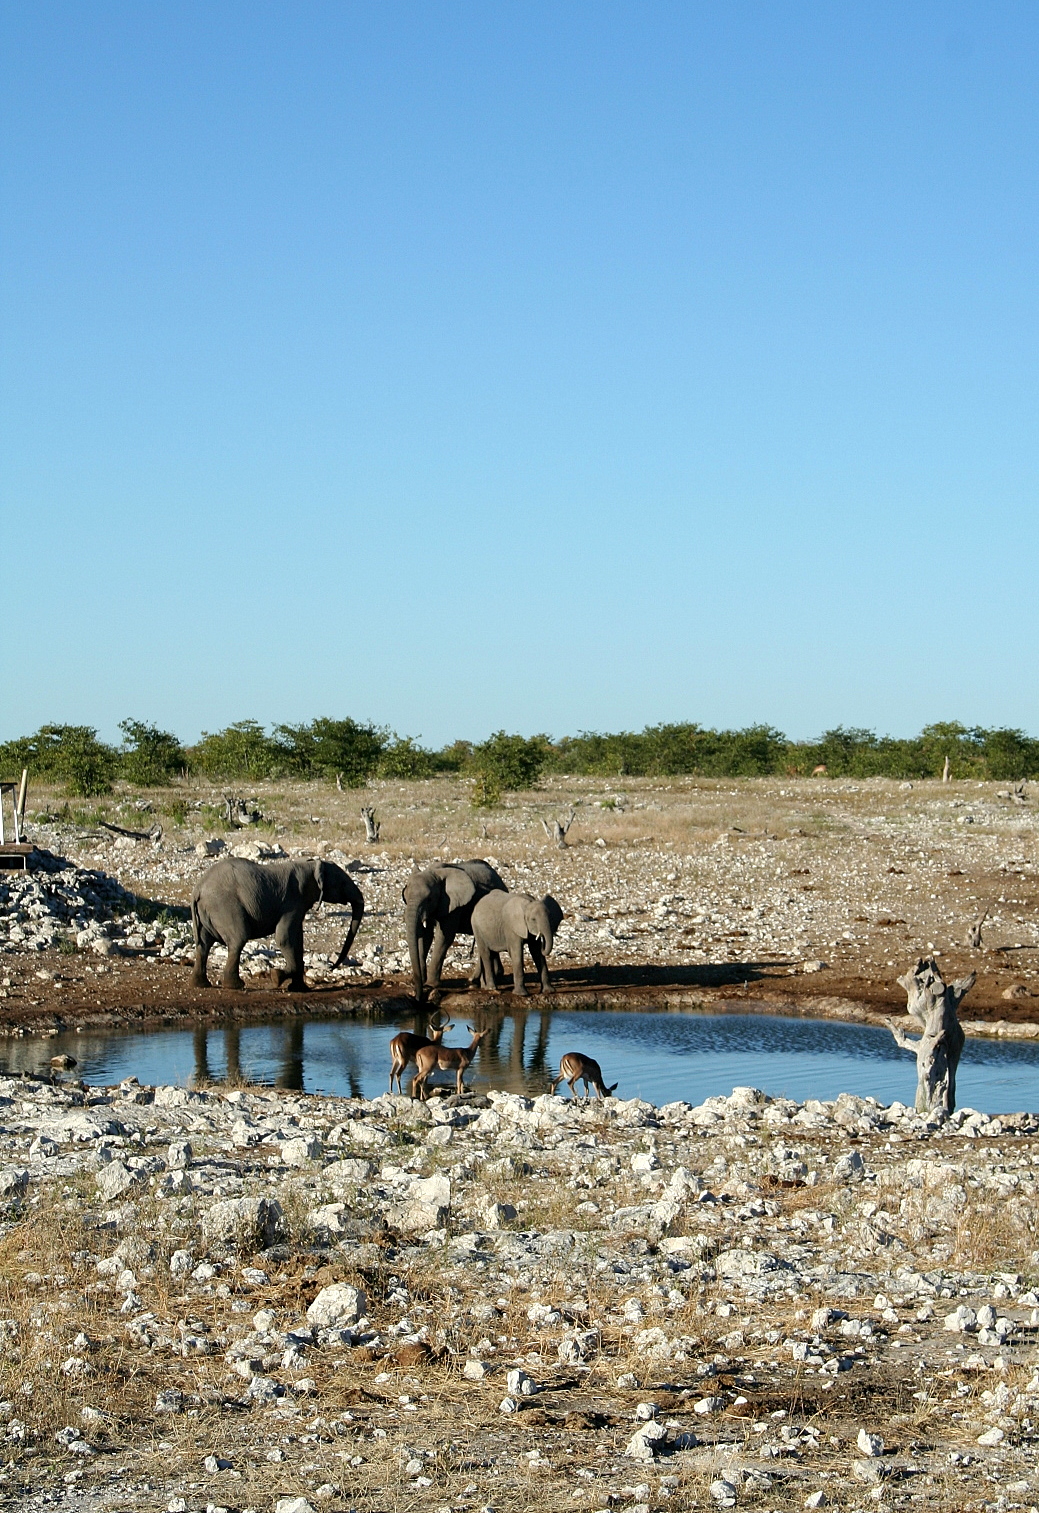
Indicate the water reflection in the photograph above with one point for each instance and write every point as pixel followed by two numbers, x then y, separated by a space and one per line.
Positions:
pixel 660 1055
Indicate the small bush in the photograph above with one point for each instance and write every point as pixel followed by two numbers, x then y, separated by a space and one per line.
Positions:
pixel 485 792
pixel 150 757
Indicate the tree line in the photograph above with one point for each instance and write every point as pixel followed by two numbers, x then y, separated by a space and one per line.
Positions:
pixel 352 752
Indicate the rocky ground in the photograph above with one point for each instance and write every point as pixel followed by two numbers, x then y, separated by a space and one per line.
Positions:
pixel 246 1298
pixel 249 1299
pixel 810 894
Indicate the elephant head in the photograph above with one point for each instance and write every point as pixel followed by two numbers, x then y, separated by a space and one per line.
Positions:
pixel 543 917
pixel 430 897
pixel 332 885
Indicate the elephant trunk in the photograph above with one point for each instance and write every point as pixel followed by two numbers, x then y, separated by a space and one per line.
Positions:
pixel 413 925
pixel 356 902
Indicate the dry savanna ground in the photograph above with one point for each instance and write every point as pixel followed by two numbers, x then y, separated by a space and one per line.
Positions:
pixel 731 887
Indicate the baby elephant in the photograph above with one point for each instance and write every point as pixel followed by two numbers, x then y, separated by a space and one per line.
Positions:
pixel 508 922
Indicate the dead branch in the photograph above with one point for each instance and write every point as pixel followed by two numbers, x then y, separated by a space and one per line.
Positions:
pixel 371 824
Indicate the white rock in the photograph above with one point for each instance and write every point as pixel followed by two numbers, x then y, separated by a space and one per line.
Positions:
pixel 991 1438
pixel 337 1307
pixel 723 1493
pixel 179 1155
pixel 646 1441
pixel 474 1371
pixel 870 1444
pixel 244 1221
pixel 292 1505
pixel 518 1382
pixel 113 1180
pixel 301 1150
pixel 961 1321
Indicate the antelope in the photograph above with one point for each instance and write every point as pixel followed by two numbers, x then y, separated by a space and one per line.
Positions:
pixel 405 1046
pixel 444 1058
pixel 577 1068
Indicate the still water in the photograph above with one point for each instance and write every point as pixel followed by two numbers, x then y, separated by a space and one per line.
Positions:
pixel 660 1056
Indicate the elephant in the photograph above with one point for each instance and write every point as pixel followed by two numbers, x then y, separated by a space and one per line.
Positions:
pixel 438 905
pixel 508 922
pixel 238 900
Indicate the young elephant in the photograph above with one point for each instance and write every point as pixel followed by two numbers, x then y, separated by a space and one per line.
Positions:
pixel 508 922
pixel 438 905
pixel 238 900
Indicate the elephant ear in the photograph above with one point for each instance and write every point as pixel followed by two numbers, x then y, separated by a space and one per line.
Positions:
pixel 320 873
pixel 459 888
pixel 554 911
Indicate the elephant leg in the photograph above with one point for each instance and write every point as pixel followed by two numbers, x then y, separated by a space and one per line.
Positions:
pixel 289 938
pixel 540 961
pixel 231 976
pixel 516 952
pixel 442 943
pixel 486 970
pixel 203 946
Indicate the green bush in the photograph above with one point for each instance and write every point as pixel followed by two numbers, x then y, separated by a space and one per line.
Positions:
pixel 404 758
pixel 511 761
pixel 150 758
pixel 329 748
pixel 485 792
pixel 243 750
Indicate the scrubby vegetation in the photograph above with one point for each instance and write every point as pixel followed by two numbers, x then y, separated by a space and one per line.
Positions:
pixel 352 752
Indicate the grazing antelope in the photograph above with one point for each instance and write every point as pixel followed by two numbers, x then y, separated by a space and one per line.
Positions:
pixel 444 1058
pixel 405 1046
pixel 577 1068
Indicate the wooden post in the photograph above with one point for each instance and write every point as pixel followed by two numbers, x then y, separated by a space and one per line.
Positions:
pixel 933 1005
pixel 19 808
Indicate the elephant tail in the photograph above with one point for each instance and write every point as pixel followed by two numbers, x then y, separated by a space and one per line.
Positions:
pixel 196 927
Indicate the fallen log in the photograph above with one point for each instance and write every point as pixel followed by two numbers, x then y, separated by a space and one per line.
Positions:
pixel 154 834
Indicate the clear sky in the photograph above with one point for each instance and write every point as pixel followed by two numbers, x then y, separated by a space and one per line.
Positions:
pixel 552 366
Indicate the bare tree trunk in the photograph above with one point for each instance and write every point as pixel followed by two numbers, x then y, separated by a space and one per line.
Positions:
pixel 371 824
pixel 556 829
pixel 974 932
pixel 946 771
pixel 933 1006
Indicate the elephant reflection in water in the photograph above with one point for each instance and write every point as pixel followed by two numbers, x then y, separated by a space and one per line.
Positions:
pixel 290 1069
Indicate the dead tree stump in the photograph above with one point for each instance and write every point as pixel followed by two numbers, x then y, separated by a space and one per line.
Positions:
pixel 371 825
pixel 933 1005
pixel 556 829
pixel 974 932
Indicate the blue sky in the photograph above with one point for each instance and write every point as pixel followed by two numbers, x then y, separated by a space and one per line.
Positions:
pixel 544 366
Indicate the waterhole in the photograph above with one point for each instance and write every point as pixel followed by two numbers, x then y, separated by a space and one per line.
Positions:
pixel 660 1056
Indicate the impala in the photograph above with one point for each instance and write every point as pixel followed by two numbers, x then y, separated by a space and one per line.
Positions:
pixel 444 1058
pixel 405 1046
pixel 577 1068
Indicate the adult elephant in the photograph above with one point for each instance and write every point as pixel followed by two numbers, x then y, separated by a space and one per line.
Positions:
pixel 438 905
pixel 508 922
pixel 238 900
